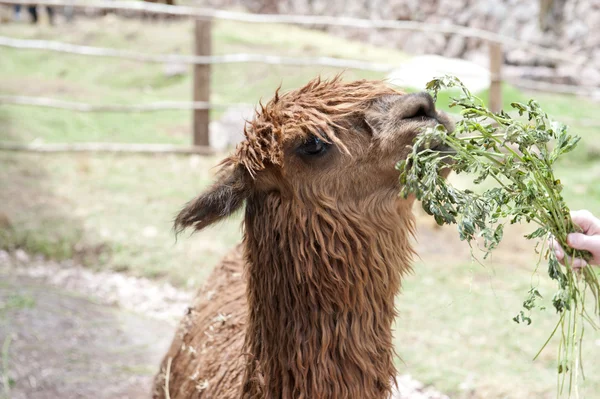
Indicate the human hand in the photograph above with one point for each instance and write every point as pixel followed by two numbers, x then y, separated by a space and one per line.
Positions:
pixel 588 239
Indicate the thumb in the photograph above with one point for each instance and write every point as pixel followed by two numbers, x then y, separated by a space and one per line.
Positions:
pixel 582 241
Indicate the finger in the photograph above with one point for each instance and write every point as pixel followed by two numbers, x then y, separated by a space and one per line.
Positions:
pixel 555 246
pixel 574 263
pixel 581 241
pixel 584 219
pixel 578 263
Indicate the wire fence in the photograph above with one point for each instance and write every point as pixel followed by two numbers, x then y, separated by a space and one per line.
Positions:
pixel 203 59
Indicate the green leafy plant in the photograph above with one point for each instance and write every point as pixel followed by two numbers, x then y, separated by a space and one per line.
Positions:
pixel 516 155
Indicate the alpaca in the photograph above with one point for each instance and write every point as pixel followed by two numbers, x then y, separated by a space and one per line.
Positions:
pixel 303 308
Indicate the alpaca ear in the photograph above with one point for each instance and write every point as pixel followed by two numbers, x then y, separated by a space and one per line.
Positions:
pixel 222 199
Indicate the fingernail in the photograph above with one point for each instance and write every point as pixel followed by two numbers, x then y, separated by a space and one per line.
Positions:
pixel 558 254
pixel 571 239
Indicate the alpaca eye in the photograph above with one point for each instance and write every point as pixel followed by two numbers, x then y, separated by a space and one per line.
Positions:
pixel 313 146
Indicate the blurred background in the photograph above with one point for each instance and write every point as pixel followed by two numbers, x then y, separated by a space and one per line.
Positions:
pixel 114 114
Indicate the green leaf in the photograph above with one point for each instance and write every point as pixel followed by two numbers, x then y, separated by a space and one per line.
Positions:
pixel 539 232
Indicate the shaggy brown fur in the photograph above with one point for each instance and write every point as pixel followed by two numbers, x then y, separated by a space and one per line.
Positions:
pixel 304 308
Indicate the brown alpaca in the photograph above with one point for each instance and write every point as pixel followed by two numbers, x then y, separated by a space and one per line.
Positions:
pixel 304 307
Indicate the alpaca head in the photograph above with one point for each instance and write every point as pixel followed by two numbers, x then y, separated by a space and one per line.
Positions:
pixel 330 143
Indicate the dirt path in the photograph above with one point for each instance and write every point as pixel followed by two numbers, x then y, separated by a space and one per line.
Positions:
pixel 66 346
pixel 63 344
pixel 73 333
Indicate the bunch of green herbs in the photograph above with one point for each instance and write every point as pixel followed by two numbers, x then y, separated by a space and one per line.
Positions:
pixel 516 155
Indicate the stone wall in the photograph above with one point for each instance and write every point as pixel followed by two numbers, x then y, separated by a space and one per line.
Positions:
pixel 569 25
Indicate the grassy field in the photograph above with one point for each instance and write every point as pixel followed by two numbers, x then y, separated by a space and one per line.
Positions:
pixel 119 209
pixel 455 330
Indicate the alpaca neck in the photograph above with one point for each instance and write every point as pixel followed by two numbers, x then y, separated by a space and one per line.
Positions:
pixel 321 288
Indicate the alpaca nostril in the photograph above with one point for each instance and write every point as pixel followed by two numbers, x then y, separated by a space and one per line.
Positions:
pixel 421 107
pixel 421 112
pixel 418 105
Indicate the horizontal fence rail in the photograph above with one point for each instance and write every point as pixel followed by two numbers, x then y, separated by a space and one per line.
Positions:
pixel 61 47
pixel 312 20
pixel 47 45
pixel 106 147
pixel 560 88
pixel 85 107
pixel 177 105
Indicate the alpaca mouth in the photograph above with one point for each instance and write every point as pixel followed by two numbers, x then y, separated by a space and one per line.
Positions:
pixel 443 149
pixel 437 146
pixel 445 152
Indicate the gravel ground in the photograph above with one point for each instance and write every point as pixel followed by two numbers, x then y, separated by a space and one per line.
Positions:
pixel 75 333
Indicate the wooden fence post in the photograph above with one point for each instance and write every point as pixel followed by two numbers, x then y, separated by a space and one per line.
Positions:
pixel 496 61
pixel 202 46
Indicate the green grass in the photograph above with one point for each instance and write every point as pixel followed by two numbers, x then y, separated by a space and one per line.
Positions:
pixel 95 80
pixel 455 332
pixel 16 301
pixel 111 211
pixel 115 212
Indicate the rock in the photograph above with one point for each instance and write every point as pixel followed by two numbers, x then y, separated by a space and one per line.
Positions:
pixel 195 161
pixel 508 27
pixel 478 57
pixel 408 387
pixel 150 231
pixel 172 69
pixel 595 61
pixel 5 221
pixel 417 71
pixel 478 22
pixel 495 13
pixel 576 31
pixel 454 7
pixel 404 10
pixel 525 11
pixel 570 72
pixel 21 256
pixel 589 76
pixel 415 43
pixel 539 73
pixel 4 257
pixel 455 47
pixel 228 131
pixel 463 17
pixel 520 57
pixel 531 33
pixel 435 42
